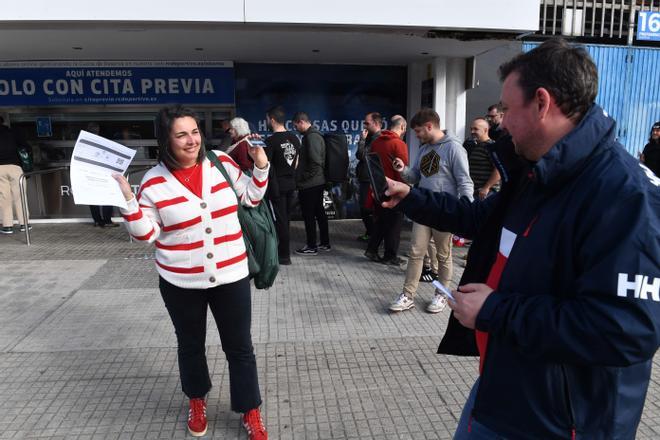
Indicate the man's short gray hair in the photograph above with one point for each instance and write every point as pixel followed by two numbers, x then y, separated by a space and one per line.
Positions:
pixel 241 126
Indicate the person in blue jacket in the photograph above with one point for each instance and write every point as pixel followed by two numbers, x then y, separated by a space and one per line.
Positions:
pixel 561 292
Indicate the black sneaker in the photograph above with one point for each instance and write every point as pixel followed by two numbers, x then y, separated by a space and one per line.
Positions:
pixel 7 230
pixel 373 256
pixel 307 250
pixel 428 276
pixel 324 247
pixel 363 238
pixel 22 227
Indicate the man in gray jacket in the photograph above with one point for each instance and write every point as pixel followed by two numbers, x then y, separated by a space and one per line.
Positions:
pixel 440 166
pixel 310 180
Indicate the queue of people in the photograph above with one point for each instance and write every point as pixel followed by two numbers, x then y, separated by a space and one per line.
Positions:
pixel 560 297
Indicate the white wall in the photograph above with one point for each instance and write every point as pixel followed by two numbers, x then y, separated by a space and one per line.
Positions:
pixel 473 14
pixel 448 14
pixel 488 91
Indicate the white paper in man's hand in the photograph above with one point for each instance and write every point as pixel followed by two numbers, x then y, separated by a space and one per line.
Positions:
pixel 94 160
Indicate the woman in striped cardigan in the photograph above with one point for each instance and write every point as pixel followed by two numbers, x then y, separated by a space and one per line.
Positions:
pixel 189 211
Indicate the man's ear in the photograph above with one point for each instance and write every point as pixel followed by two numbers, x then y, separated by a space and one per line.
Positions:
pixel 543 101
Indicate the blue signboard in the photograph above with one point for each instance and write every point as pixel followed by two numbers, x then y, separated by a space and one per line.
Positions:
pixel 648 26
pixel 336 98
pixel 121 83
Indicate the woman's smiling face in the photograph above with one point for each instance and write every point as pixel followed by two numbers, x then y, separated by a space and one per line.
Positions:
pixel 185 141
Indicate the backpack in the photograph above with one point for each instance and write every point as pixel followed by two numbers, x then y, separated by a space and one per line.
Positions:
pixel 336 157
pixel 259 236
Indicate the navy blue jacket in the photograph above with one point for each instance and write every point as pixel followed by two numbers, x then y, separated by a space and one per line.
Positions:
pixel 575 319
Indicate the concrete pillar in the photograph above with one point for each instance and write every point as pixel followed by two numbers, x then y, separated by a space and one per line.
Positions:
pixel 440 75
pixel 417 72
pixel 449 95
pixel 455 98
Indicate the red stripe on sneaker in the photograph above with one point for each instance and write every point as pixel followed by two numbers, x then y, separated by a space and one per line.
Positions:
pixel 182 225
pixel 258 183
pixel 219 186
pixel 196 269
pixel 224 211
pixel 132 217
pixel 229 262
pixel 175 201
pixel 180 247
pixel 228 237
pixel 144 237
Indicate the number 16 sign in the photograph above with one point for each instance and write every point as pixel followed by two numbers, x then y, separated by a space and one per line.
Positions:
pixel 648 26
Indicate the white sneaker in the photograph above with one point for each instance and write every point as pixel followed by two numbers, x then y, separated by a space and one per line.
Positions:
pixel 402 303
pixel 437 304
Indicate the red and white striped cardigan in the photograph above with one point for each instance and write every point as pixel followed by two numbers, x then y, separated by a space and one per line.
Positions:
pixel 199 242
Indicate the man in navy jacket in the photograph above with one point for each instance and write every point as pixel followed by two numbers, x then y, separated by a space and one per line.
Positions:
pixel 561 291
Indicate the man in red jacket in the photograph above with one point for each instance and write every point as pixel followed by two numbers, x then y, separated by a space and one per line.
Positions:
pixel 389 146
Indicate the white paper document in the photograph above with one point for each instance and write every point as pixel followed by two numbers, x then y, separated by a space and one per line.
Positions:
pixel 95 159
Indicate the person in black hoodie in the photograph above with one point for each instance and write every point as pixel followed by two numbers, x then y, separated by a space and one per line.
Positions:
pixel 651 154
pixel 282 151
pixel 560 296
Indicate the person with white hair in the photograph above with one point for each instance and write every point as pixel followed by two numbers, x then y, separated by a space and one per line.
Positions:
pixel 238 151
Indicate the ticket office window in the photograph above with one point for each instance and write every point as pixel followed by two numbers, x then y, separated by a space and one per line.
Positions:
pixel 52 141
pixel 54 144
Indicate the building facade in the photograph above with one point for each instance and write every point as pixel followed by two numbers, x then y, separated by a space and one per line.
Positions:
pixel 78 65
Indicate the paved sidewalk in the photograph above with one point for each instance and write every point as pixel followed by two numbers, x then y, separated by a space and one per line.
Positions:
pixel 87 350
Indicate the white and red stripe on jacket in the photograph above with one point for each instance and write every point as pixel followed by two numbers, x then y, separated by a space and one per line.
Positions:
pixel 507 240
pixel 199 242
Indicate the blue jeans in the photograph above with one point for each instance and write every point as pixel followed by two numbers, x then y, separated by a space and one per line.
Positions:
pixel 477 431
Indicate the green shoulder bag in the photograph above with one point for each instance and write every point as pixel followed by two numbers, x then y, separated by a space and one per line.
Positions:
pixel 259 235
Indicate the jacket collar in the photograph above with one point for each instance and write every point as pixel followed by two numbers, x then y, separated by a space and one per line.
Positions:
pixel 572 152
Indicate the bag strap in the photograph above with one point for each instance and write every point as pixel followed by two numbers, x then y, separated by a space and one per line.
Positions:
pixel 241 209
pixel 214 158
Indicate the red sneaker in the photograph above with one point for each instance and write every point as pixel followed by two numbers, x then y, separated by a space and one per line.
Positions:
pixel 197 417
pixel 254 425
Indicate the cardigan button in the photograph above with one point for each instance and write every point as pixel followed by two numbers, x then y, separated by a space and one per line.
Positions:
pixel 212 279
pixel 208 230
pixel 209 255
pixel 203 205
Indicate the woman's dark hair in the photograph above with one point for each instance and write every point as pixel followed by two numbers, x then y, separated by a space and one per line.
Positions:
pixel 164 121
pixel 566 72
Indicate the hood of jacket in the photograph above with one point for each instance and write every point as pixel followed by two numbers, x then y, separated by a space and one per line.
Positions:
pixel 571 153
pixel 388 135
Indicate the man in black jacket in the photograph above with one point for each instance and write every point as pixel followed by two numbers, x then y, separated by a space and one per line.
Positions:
pixel 310 180
pixel 494 118
pixel 282 151
pixel 562 282
pixel 10 172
